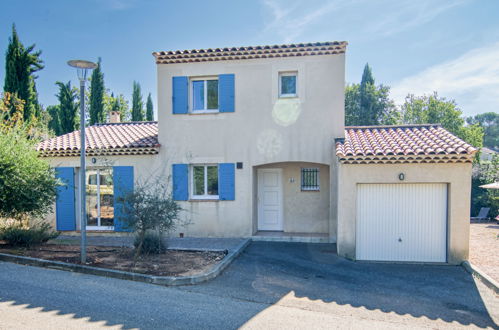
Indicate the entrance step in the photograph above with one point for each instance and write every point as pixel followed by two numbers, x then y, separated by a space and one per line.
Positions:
pixel 279 236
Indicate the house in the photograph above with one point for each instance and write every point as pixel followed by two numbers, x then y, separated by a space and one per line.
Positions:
pixel 253 144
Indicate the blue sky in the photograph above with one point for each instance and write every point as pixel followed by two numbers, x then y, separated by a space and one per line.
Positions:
pixel 413 46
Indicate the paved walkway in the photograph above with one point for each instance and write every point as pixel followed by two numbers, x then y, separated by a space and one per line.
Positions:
pixel 228 244
pixel 484 247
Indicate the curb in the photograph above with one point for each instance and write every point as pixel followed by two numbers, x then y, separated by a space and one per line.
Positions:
pixel 159 280
pixel 480 274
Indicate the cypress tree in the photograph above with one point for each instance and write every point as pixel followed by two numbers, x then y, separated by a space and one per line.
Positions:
pixel 68 107
pixel 20 65
pixel 149 109
pixel 366 94
pixel 96 111
pixel 137 103
pixel 54 121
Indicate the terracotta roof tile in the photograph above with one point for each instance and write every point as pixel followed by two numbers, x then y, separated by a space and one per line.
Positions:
pixel 250 52
pixel 410 143
pixel 132 138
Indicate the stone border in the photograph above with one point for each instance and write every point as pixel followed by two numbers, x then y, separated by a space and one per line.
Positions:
pixel 159 280
pixel 480 274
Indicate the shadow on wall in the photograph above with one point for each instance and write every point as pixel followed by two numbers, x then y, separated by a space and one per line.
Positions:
pixel 265 275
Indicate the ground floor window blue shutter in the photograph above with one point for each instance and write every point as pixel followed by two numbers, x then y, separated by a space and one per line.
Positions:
pixel 65 202
pixel 226 181
pixel 180 174
pixel 226 92
pixel 123 185
pixel 180 95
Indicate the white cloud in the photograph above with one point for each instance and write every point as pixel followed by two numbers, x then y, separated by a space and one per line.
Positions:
pixel 403 15
pixel 290 19
pixel 472 79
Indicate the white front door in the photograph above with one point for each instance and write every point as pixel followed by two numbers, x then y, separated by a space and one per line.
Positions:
pixel 270 199
pixel 402 222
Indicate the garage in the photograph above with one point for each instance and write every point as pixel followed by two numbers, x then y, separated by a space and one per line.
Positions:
pixel 402 222
pixel 403 194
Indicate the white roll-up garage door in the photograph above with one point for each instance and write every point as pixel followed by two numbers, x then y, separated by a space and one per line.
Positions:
pixel 402 222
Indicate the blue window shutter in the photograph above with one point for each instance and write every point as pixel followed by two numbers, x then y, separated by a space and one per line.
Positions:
pixel 123 185
pixel 180 182
pixel 226 181
pixel 180 95
pixel 226 91
pixel 65 202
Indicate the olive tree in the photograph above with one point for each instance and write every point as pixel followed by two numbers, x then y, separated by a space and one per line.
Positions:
pixel 150 208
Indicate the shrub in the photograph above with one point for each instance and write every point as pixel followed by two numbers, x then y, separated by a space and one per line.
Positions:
pixel 152 244
pixel 17 235
pixel 150 207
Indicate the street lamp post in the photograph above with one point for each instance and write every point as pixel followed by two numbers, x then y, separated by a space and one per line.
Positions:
pixel 82 68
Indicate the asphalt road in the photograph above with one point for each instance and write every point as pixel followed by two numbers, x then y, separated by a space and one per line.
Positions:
pixel 271 285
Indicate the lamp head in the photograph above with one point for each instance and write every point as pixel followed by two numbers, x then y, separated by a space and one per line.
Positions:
pixel 82 67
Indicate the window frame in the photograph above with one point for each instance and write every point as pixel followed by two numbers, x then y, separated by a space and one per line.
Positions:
pixel 288 74
pixel 317 187
pixel 191 94
pixel 205 196
pixel 99 175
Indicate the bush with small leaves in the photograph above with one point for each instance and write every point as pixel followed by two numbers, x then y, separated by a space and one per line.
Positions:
pixel 18 235
pixel 150 208
pixel 152 244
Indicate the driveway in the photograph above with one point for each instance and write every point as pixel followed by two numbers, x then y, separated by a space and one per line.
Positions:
pixel 278 285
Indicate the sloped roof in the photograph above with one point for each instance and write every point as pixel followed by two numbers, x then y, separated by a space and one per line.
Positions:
pixel 132 138
pixel 250 52
pixel 402 144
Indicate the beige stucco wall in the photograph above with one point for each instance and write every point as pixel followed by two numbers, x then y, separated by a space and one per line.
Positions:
pixel 457 176
pixel 304 211
pixel 263 129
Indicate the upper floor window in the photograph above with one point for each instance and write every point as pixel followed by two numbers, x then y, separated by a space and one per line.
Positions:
pixel 204 94
pixel 287 84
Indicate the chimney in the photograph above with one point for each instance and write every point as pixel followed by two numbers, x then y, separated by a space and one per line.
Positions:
pixel 114 117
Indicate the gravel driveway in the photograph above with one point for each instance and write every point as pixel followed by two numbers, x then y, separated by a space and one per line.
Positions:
pixel 484 247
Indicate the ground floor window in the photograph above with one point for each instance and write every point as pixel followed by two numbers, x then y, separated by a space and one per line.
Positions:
pixel 204 181
pixel 310 179
pixel 100 199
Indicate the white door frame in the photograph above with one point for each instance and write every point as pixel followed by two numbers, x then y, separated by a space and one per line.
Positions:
pixel 260 171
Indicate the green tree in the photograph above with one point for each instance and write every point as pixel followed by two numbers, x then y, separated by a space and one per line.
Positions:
pixel 490 123
pixel 368 104
pixel 433 109
pixel 54 122
pixel 20 65
pixel 137 103
pixel 149 109
pixel 117 103
pixel 484 173
pixel 11 112
pixel 97 90
pixel 68 107
pixel 27 182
